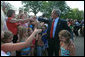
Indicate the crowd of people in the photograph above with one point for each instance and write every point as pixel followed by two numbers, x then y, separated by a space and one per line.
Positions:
pixel 37 36
pixel 77 26
pixel 11 31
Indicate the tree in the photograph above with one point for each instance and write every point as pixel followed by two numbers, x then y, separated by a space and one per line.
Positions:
pixel 74 14
pixel 47 7
pixel 33 5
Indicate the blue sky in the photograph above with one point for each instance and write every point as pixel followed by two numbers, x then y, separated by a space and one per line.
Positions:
pixel 71 4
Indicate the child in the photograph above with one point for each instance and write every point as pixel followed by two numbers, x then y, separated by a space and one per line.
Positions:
pixel 44 39
pixel 23 33
pixel 22 16
pixel 32 43
pixel 26 15
pixel 7 38
pixel 67 47
pixel 40 45
pixel 20 12
pixel 7 47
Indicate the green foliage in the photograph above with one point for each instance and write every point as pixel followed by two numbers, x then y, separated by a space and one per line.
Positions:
pixel 33 5
pixel 74 14
pixel 46 7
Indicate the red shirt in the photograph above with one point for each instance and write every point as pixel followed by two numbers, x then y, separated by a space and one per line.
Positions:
pixel 12 26
pixel 33 42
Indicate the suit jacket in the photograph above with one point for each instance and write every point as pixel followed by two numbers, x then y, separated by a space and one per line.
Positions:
pixel 62 25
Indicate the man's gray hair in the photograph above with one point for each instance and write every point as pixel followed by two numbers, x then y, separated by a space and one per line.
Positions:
pixel 57 11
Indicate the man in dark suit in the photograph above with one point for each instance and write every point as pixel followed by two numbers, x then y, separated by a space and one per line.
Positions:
pixel 55 25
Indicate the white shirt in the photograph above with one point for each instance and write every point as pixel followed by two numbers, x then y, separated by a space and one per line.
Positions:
pixel 55 25
pixel 3 53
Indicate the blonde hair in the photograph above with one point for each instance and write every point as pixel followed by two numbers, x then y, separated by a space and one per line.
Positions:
pixel 66 34
pixel 21 31
pixel 7 35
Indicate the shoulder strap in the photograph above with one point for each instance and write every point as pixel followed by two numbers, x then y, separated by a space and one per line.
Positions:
pixel 68 45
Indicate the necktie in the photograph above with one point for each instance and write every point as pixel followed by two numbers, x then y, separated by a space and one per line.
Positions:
pixel 52 29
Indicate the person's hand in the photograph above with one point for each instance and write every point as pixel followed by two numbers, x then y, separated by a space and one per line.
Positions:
pixel 36 37
pixel 35 24
pixel 29 19
pixel 34 17
pixel 37 30
pixel 42 23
